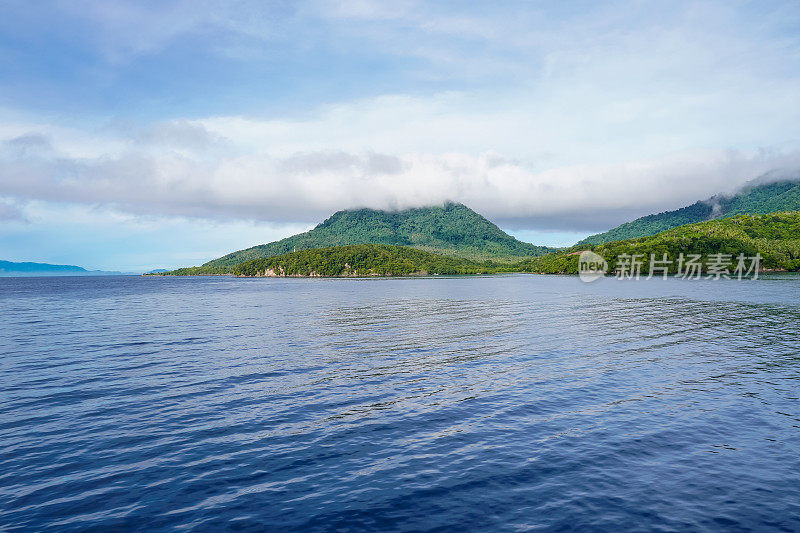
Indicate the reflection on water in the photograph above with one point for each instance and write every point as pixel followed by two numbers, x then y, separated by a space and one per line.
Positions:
pixel 504 402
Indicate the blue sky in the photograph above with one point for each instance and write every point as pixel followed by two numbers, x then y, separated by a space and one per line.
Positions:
pixel 136 135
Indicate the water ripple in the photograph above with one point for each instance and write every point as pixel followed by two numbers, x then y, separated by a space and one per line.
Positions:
pixel 496 403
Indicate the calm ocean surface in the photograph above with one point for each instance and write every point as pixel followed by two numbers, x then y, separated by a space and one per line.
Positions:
pixel 447 404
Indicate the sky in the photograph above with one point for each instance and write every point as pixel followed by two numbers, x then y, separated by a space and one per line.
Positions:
pixel 141 135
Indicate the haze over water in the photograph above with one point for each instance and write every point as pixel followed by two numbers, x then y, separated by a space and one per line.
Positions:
pixel 496 403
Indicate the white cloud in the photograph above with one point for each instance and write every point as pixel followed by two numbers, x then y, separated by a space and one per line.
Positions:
pixel 308 186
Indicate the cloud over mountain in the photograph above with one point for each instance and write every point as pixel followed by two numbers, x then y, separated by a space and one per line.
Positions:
pixel 174 173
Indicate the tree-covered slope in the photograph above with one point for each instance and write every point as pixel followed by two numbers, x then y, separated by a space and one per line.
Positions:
pixel 362 260
pixel 452 229
pixel 775 236
pixel 755 199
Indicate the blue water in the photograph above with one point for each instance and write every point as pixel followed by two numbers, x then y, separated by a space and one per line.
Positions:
pixel 475 404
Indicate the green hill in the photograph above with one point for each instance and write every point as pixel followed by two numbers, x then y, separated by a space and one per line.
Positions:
pixel 754 199
pixel 452 229
pixel 362 260
pixel 775 236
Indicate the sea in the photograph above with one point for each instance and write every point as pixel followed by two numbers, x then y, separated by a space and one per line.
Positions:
pixel 498 403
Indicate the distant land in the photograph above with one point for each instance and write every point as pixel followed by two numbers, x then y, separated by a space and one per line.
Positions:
pixel 12 269
pixel 775 236
pixel 451 229
pixel 454 239
pixel 457 240
pixel 756 198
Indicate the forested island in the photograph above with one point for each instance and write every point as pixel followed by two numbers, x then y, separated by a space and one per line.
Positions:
pixel 451 229
pixel 776 237
pixel 452 239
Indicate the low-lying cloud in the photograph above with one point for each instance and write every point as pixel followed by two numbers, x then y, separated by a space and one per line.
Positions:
pixel 308 186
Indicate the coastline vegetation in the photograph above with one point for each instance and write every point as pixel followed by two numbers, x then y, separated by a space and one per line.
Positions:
pixel 363 260
pixel 775 236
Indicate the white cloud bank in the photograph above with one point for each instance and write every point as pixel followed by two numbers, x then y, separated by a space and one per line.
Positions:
pixel 186 170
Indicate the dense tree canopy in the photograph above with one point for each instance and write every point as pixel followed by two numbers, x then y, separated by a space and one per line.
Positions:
pixel 775 236
pixel 362 260
pixel 452 229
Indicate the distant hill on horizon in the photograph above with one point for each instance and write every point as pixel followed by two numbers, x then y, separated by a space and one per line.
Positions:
pixel 756 198
pixel 13 269
pixel 451 229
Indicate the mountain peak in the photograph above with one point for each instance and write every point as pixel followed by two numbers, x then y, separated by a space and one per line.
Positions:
pixel 450 228
pixel 445 206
